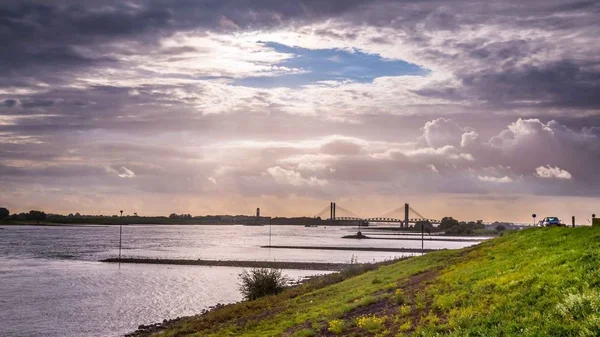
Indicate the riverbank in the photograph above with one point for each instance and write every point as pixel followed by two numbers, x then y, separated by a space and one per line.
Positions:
pixel 540 282
pixel 361 249
pixel 440 239
pixel 235 263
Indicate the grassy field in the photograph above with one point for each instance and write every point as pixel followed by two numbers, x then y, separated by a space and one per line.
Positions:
pixel 536 282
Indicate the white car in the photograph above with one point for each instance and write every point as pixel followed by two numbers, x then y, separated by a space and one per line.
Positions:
pixel 551 221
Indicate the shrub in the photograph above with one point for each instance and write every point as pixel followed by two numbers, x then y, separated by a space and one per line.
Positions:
pixel 261 282
pixel 429 320
pixel 404 310
pixel 399 296
pixel 579 307
pixel 405 326
pixel 336 326
pixel 371 323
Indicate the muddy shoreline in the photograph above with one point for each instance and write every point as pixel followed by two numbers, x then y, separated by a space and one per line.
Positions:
pixel 234 263
pixel 363 249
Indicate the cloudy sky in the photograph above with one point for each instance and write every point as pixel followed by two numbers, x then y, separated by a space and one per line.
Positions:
pixel 479 109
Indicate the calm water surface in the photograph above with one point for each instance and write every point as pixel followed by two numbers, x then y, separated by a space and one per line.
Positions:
pixel 52 284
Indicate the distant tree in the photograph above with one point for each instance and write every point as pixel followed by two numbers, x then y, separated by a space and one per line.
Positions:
pixel 426 225
pixel 448 222
pixel 500 228
pixel 36 216
pixel 70 215
pixel 4 213
pixel 78 215
pixel 173 216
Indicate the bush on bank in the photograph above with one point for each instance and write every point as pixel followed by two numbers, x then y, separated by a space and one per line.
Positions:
pixel 260 282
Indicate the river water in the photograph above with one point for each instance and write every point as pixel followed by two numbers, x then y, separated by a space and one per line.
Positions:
pixel 52 285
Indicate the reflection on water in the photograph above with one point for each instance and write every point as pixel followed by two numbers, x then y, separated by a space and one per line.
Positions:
pixel 51 284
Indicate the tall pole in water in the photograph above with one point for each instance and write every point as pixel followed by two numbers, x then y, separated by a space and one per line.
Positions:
pixel 120 237
pixel 120 240
pixel 422 238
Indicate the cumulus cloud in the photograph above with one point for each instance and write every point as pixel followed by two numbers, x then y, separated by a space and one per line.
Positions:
pixel 291 177
pixel 500 180
pixel 442 132
pixel 121 172
pixel 548 172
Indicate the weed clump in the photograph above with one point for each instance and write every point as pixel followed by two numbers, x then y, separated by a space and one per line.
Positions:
pixel 404 310
pixel 371 323
pixel 399 296
pixel 405 326
pixel 260 282
pixel 336 326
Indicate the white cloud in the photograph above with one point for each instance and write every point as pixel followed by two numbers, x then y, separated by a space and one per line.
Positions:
pixel 121 172
pixel 442 132
pixel 432 168
pixel 291 177
pixel 502 180
pixel 448 151
pixel 549 172
pixel 469 138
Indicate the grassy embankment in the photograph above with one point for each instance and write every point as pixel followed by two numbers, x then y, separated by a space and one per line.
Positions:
pixel 537 282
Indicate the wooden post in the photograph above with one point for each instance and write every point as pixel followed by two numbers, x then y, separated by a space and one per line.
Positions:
pixel 422 239
pixel 120 239
pixel 573 221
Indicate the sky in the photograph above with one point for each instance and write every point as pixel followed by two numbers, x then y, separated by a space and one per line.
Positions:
pixel 479 109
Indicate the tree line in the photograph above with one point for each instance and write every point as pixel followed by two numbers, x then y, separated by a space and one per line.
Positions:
pixel 30 216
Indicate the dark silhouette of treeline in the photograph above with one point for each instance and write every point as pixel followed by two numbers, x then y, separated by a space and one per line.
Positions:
pixel 39 217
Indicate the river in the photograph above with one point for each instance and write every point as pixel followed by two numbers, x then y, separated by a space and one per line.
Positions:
pixel 52 284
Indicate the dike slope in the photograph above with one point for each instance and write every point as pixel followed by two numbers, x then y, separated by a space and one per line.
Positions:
pixel 536 282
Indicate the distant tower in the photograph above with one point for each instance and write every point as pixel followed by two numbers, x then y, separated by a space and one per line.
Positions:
pixel 331 211
pixel 334 211
pixel 258 212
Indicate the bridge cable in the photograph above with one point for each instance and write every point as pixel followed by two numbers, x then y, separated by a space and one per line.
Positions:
pixel 393 212
pixel 417 213
pixel 347 211
pixel 318 215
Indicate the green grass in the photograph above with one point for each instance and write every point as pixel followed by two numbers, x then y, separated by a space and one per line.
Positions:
pixel 536 282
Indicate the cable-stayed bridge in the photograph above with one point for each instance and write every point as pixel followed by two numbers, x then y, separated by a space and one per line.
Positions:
pixel 402 215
